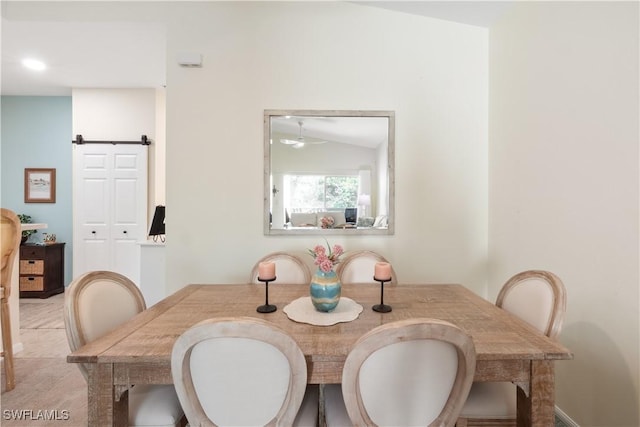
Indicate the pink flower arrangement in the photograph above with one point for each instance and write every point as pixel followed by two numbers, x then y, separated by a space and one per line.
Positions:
pixel 326 258
pixel 326 222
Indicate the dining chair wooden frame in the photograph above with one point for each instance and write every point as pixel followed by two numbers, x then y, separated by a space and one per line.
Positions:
pixel 246 328
pixel 10 235
pixel 351 258
pixel 483 394
pixel 401 332
pixel 283 258
pixel 148 404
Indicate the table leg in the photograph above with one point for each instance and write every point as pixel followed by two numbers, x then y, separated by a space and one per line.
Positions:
pixel 537 409
pixel 103 410
pixel 100 394
pixel 121 411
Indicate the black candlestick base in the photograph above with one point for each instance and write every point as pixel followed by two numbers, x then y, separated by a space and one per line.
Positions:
pixel 266 308
pixel 382 307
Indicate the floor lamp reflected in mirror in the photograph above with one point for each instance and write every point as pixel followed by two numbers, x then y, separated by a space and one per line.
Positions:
pixel 364 200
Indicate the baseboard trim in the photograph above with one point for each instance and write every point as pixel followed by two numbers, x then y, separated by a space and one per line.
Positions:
pixel 17 348
pixel 565 418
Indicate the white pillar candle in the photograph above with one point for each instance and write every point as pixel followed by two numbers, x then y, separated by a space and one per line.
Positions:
pixel 383 271
pixel 266 270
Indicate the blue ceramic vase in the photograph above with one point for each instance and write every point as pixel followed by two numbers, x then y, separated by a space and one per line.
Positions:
pixel 325 290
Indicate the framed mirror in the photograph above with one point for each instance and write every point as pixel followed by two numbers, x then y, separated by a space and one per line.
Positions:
pixel 328 172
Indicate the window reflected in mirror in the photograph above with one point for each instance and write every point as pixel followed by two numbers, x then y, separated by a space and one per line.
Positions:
pixel 329 172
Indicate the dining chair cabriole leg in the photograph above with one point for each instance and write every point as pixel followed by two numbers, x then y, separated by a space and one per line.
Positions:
pixel 7 346
pixel 10 235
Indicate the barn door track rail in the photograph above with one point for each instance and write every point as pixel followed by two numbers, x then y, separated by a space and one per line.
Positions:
pixel 143 141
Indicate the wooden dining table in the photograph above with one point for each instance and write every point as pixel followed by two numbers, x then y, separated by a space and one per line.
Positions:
pixel 139 351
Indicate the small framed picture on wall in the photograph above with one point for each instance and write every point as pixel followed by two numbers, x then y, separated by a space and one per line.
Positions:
pixel 39 185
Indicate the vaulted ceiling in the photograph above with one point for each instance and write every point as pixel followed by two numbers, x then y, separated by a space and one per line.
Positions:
pixel 127 55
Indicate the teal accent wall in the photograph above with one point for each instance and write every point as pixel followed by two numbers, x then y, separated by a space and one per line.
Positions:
pixel 36 133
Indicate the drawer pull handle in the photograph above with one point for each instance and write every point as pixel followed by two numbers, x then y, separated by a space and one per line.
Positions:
pixel 93 232
pixel 31 279
pixel 32 262
pixel 125 231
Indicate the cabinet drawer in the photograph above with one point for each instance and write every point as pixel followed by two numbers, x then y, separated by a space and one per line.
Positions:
pixel 32 266
pixel 31 284
pixel 32 252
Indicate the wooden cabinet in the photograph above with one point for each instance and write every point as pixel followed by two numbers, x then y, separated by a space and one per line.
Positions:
pixel 41 270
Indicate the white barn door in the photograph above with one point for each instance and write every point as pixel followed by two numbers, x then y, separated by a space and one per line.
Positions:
pixel 109 207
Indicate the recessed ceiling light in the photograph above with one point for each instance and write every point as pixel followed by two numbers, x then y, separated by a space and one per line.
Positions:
pixel 34 64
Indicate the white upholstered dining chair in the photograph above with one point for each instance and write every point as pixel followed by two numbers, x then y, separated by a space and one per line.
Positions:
pixel 97 302
pixel 10 235
pixel 242 371
pixel 358 267
pixel 405 373
pixel 539 298
pixel 290 269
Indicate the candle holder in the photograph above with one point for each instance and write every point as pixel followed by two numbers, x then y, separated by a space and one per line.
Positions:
pixel 382 307
pixel 266 308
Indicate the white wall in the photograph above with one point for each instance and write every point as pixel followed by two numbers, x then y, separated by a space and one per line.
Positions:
pixel 327 55
pixel 114 114
pixel 564 186
pixel 157 154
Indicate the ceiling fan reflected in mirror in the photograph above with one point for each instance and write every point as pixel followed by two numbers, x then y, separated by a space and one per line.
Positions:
pixel 301 141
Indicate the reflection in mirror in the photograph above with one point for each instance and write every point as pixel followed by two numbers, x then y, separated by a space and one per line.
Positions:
pixel 328 172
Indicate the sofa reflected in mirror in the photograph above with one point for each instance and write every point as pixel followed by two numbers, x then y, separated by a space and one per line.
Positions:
pixel 328 172
pixel 334 220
